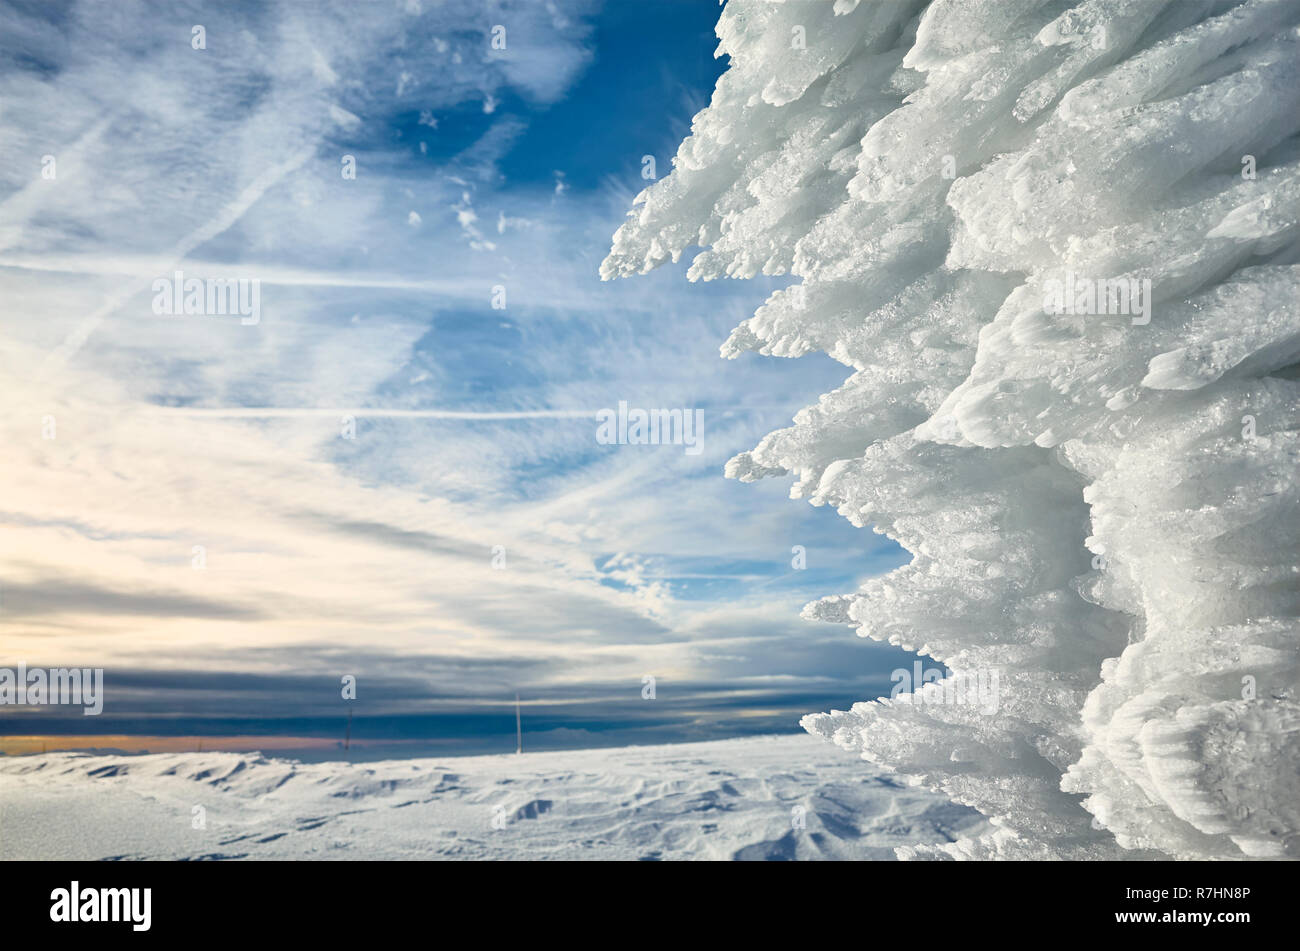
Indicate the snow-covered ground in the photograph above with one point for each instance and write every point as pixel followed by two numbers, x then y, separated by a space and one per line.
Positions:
pixel 787 797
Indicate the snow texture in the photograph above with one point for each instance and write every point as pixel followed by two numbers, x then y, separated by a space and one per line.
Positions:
pixel 1100 494
pixel 762 798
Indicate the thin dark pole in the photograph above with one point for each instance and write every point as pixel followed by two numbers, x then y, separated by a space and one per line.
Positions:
pixel 519 728
pixel 347 737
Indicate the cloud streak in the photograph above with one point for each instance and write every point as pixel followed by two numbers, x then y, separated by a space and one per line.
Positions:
pixel 181 495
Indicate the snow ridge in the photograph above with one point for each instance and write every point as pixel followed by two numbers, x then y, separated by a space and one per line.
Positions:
pixel 789 798
pixel 1057 242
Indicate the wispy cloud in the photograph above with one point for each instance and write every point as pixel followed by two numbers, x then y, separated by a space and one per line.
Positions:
pixel 397 465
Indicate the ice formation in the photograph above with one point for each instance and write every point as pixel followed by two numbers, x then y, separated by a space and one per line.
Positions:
pixel 1056 243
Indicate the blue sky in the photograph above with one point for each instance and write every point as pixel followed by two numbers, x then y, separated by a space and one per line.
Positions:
pixel 198 525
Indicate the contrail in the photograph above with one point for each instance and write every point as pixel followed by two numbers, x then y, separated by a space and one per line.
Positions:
pixel 291 412
pixel 228 216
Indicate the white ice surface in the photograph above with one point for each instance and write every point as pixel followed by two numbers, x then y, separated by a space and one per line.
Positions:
pixel 1102 506
pixel 727 799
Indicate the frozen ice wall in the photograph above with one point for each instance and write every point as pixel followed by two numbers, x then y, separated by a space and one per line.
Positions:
pixel 1056 245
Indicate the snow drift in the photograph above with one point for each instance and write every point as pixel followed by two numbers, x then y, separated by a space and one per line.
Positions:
pixel 1057 245
pixel 757 798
